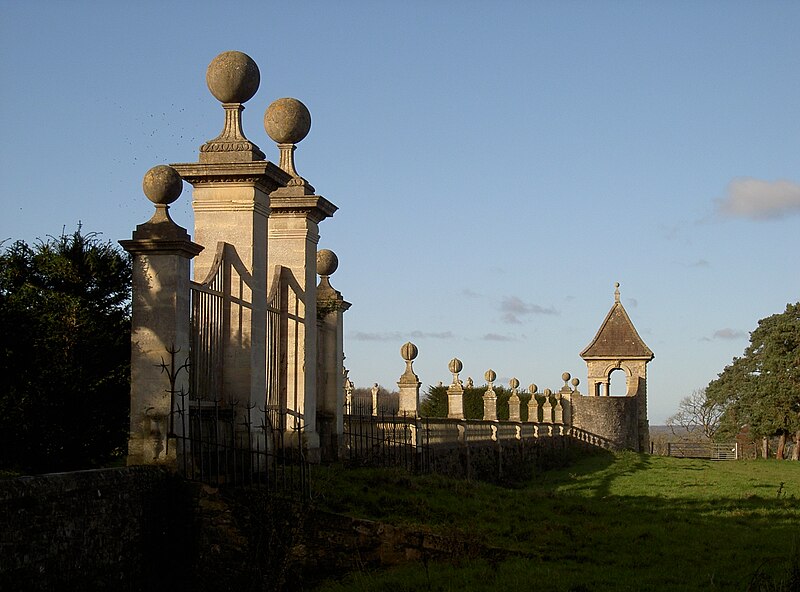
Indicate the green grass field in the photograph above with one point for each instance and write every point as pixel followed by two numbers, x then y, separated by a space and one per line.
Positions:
pixel 606 523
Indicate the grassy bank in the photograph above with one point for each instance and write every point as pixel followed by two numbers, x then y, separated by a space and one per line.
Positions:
pixel 609 522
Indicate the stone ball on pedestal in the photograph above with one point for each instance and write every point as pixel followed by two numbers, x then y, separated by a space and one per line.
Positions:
pixel 455 366
pixel 287 121
pixel 327 262
pixel 162 184
pixel 233 77
pixel 409 351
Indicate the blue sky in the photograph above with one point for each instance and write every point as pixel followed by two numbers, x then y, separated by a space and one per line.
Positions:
pixel 498 166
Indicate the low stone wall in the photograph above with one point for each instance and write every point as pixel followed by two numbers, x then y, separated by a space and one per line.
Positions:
pixel 126 529
pixel 504 461
pixel 142 528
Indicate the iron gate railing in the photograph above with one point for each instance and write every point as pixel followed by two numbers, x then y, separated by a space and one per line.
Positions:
pixel 230 444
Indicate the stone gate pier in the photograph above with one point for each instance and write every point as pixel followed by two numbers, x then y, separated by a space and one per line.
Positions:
pixel 246 335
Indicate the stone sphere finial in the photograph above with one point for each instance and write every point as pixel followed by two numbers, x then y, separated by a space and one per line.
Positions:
pixel 233 77
pixel 287 121
pixel 409 351
pixel 455 366
pixel 576 382
pixel 533 389
pixel 547 392
pixel 566 376
pixel 327 262
pixel 490 375
pixel 513 383
pixel 162 185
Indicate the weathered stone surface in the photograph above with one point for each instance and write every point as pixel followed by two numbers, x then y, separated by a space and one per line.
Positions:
pixel 327 262
pixel 409 383
pixel 616 347
pixel 159 318
pixel 162 184
pixel 331 307
pixel 287 121
pixel 614 419
pixel 233 77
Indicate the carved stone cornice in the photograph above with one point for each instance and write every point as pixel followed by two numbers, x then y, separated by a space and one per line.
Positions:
pixel 183 248
pixel 313 207
pixel 263 174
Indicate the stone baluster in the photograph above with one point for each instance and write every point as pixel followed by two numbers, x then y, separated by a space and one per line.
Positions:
pixel 455 392
pixel 513 401
pixel 409 383
pixel 490 397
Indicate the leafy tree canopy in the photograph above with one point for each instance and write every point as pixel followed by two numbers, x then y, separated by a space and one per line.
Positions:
pixel 762 388
pixel 64 353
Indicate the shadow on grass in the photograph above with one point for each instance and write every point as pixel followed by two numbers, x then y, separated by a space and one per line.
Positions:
pixel 610 522
pixel 626 465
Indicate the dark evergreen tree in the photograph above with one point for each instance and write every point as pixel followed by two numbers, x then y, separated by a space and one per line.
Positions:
pixel 64 353
pixel 434 402
pixel 762 388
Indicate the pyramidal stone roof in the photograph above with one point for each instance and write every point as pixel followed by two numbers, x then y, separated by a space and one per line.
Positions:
pixel 617 337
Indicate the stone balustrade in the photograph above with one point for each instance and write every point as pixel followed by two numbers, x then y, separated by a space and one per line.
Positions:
pixel 532 416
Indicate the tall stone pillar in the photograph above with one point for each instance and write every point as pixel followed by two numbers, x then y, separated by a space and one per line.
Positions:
pixel 547 407
pixel 534 414
pixel 513 401
pixel 160 324
pixel 490 397
pixel 408 385
pixel 232 183
pixel 293 234
pixel 455 392
pixel 330 315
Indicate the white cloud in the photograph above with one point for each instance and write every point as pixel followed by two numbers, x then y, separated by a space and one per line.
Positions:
pixel 728 333
pixel 398 336
pixel 513 308
pixel 364 336
pixel 433 335
pixel 759 200
pixel 498 337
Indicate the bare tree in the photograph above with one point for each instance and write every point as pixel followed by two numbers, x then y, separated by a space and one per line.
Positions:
pixel 696 414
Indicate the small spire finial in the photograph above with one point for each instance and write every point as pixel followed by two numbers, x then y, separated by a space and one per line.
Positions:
pixel 616 291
